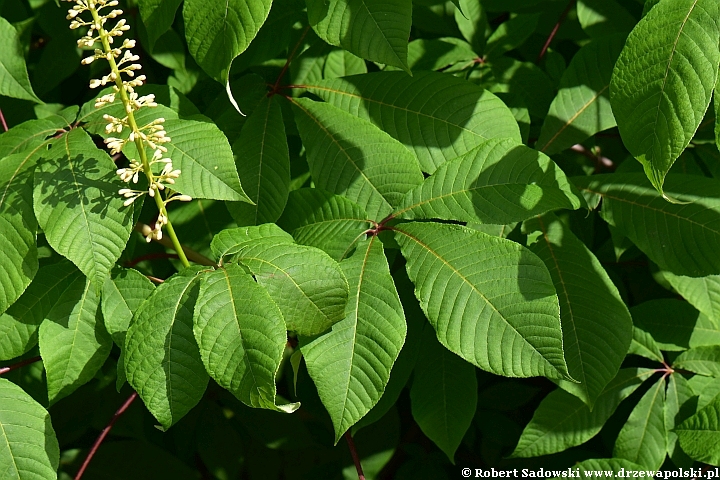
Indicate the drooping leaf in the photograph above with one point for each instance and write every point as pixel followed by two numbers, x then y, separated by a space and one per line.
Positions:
pixel 77 205
pixel 497 182
pixel 582 105
pixel 162 360
pixel 443 394
pixel 321 219
pixel 438 116
pixel 376 30
pixel 659 228
pixel 306 284
pixel 679 395
pixel 600 18
pixel 158 16
pixel 351 157
pixel 660 99
pixel 30 448
pixel 123 292
pixel 675 325
pixel 596 324
pixel 73 341
pixel 350 365
pixel 263 165
pixel 562 420
pixel 643 439
pixel 699 435
pixel 14 81
pixel 510 325
pixel 701 360
pixel 241 335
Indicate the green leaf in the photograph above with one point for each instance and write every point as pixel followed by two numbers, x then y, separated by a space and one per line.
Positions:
pixel 341 63
pixel 659 100
pixel 701 360
pixel 123 293
pixel 677 398
pixel 596 324
pixel 162 360
pixel 600 18
pixel 498 182
pixel 351 157
pixel 321 219
pixel 615 467
pixel 472 21
pixel 437 116
pixel 644 345
pixel 232 240
pixel 350 365
pixel 439 53
pixel 699 435
pixel 443 395
pixel 28 135
pixel 525 81
pixel 511 34
pixel 14 81
pixel 659 228
pixel 241 335
pixel 74 343
pixel 217 31
pixel 643 438
pixel 77 205
pixel 30 448
pixel 582 105
pixel 376 30
pixel 562 420
pixel 306 284
pixel 158 17
pixel 702 293
pixel 19 324
pixel 510 325
pixel 675 325
pixel 203 155
pixel 263 164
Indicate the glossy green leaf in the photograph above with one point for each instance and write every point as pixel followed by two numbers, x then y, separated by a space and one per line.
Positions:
pixel 19 324
pixel 511 34
pixel 472 21
pixel 675 325
pixel 701 360
pixel 510 325
pixel 643 439
pixel 678 397
pixel 596 324
pixel 77 205
pixel 702 293
pixel 162 360
pixel 644 345
pixel 28 135
pixel 321 219
pixel 659 228
pixel 241 335
pixel 29 449
pixel 123 292
pixel 376 30
pixel 438 116
pixel 350 365
pixel 562 420
pixel 351 157
pixel 232 240
pixel 263 165
pixel 306 284
pixel 600 18
pixel 14 81
pixel 582 105
pixel 699 435
pixel 73 341
pixel 443 395
pixel 158 16
pixel 497 182
pixel 660 99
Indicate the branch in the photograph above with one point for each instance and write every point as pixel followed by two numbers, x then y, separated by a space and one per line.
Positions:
pixel 276 87
pixel 598 160
pixel 555 29
pixel 19 364
pixel 166 242
pixel 353 453
pixel 104 434
pixel 2 120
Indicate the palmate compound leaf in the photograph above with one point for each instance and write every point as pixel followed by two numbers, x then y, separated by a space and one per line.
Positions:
pixel 443 394
pixel 562 420
pixel 663 81
pixel 376 30
pixel 351 157
pixel 683 239
pixel 350 365
pixel 582 105
pixel 699 435
pixel 162 360
pixel 307 285
pixel 77 205
pixel 437 116
pixel 596 324
pixel 19 324
pixel 498 182
pixel 263 165
pixel 73 341
pixel 324 220
pixel 29 449
pixel 241 334
pixel 490 300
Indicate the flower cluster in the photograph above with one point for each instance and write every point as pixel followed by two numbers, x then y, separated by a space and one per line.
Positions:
pixel 152 135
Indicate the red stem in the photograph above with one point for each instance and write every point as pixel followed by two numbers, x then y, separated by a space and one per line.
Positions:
pixel 19 364
pixel 276 87
pixel 104 433
pixel 4 123
pixel 149 256
pixel 353 453
pixel 555 29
